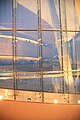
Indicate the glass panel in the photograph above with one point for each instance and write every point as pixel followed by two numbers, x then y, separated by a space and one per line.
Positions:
pixel 5 14
pixel 51 51
pixel 26 14
pixel 28 62
pixel 6 83
pixel 6 62
pixel 71 60
pixel 6 53
pixel 72 44
pixel 71 15
pixel 53 83
pixel 29 83
pixel 27 51
pixel 50 14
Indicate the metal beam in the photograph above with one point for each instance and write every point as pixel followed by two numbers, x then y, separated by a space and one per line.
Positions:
pixel 14 46
pixel 40 48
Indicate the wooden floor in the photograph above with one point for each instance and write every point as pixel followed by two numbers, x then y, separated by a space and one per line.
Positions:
pixel 13 110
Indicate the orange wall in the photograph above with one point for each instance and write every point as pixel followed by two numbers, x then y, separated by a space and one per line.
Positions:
pixel 12 110
pixel 77 2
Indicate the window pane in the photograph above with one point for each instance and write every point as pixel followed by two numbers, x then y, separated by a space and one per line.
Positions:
pixel 26 14
pixel 5 14
pixel 50 14
pixel 6 51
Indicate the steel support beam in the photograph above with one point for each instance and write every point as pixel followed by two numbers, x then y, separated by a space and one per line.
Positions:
pixel 40 48
pixel 14 46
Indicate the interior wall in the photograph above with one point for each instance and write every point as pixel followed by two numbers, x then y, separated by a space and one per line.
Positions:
pixel 13 110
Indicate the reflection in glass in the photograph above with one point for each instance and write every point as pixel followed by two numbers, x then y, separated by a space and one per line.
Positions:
pixel 39 50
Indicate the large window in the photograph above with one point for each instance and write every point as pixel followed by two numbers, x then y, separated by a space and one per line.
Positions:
pixel 39 50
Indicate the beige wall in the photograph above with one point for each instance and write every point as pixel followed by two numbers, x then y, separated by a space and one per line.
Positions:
pixel 11 110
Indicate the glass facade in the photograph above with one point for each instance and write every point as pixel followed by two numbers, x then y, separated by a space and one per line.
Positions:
pixel 39 50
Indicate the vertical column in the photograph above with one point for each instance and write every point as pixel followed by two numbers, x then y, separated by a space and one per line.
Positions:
pixel 61 43
pixel 40 48
pixel 66 69
pixel 14 45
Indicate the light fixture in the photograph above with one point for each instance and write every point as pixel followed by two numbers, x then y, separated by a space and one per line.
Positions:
pixel 55 101
pixel 1 97
pixel 79 101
